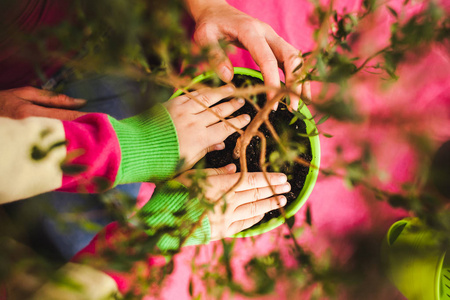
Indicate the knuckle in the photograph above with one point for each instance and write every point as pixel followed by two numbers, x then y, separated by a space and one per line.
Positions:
pixel 275 202
pixel 218 110
pixel 27 89
pixel 23 111
pixel 62 98
pixel 227 126
pixel 251 179
pixel 23 91
pixel 265 27
pixel 270 59
pixel 253 208
pixel 253 25
pixel 203 99
pixel 256 194
pixel 204 33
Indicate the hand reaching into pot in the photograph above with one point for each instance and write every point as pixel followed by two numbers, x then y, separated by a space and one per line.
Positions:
pixel 243 207
pixel 217 20
pixel 28 101
pixel 200 130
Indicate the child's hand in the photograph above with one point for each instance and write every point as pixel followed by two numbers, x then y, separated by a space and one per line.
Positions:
pixel 199 130
pixel 243 207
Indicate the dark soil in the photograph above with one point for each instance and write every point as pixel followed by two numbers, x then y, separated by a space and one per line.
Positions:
pixel 280 120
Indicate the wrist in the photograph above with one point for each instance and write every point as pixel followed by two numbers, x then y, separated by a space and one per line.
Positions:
pixel 197 8
pixel 149 146
pixel 171 208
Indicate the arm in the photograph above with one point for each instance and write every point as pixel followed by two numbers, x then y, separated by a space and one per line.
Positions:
pixel 96 152
pixel 169 217
pixel 85 155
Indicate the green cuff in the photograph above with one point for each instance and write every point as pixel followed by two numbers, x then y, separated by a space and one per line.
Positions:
pixel 148 145
pixel 171 211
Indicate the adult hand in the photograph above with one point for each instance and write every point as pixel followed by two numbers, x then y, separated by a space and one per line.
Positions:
pixel 243 207
pixel 216 20
pixel 32 102
pixel 200 130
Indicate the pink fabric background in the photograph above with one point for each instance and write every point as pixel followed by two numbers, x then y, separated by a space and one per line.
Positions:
pixel 421 96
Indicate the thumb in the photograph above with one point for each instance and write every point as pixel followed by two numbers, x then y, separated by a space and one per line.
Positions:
pixel 48 98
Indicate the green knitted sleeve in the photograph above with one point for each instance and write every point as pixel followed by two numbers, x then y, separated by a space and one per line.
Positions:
pixel 148 145
pixel 171 210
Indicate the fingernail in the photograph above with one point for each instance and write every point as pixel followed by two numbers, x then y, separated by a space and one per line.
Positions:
pixel 79 101
pixel 296 62
pixel 241 101
pixel 282 200
pixel 229 88
pixel 219 147
pixel 226 73
pixel 281 178
pixel 247 118
pixel 285 188
pixel 229 167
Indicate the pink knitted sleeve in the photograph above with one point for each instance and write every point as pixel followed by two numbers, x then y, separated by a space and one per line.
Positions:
pixel 93 154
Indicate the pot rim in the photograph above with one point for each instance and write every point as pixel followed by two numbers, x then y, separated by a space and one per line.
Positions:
pixel 311 177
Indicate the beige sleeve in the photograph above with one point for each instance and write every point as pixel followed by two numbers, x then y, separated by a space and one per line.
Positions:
pixel 31 152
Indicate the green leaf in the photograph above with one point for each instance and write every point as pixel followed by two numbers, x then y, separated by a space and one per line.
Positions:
pixel 191 287
pixel 290 222
pixel 323 119
pixel 298 67
pixel 294 119
pixel 314 133
pixel 306 54
pixel 397 200
pixel 73 169
pixel 327 135
pixel 392 11
pixel 37 153
pixel 308 216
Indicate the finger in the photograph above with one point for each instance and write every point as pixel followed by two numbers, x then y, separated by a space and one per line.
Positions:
pixel 258 180
pixel 55 113
pixel 238 226
pixel 219 61
pixel 221 111
pixel 48 98
pixel 220 131
pixel 259 207
pixel 291 61
pixel 198 101
pixel 216 147
pixel 292 77
pixel 260 193
pixel 250 181
pixel 264 57
pixel 228 169
pixel 306 92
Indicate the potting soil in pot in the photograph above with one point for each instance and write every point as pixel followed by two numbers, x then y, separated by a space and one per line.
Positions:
pixel 280 120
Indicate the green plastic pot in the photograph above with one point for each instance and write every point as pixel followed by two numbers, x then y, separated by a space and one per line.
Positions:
pixel 415 261
pixel 311 178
